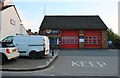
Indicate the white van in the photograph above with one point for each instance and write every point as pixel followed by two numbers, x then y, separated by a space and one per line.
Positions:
pixel 32 46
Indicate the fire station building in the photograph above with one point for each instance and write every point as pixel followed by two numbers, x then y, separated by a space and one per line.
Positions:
pixel 73 32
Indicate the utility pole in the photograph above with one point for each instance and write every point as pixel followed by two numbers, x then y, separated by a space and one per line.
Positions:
pixel 44 10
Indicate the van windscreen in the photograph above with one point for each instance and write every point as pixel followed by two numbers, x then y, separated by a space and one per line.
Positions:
pixel 8 39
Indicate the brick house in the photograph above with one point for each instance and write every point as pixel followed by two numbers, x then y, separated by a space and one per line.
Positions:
pixel 73 32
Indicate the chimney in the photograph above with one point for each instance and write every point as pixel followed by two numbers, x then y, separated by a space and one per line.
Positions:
pixel 8 2
pixel 1 4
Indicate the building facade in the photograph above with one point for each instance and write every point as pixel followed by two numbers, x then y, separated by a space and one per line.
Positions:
pixel 10 21
pixel 73 32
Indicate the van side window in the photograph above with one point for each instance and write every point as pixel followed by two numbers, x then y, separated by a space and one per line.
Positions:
pixel 8 39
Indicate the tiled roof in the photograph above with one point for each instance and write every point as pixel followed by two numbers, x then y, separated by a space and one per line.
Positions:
pixel 72 22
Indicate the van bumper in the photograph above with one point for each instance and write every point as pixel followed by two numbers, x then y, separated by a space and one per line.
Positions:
pixel 46 52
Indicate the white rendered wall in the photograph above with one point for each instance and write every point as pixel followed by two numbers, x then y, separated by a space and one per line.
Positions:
pixel 7 28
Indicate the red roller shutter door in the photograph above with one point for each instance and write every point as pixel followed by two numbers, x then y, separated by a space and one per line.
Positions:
pixel 92 39
pixel 69 39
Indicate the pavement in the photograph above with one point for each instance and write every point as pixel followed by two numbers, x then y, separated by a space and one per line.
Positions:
pixel 27 64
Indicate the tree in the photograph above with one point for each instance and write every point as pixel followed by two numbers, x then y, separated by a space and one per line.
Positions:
pixel 114 38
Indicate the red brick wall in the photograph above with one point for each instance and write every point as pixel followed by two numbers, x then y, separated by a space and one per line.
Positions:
pixel 104 36
pixel 104 39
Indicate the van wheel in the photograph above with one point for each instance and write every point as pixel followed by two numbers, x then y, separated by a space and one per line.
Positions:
pixel 33 55
pixel 40 55
pixel 4 59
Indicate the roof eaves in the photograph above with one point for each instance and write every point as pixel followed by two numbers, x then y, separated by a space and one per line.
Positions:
pixel 17 13
pixel 5 7
pixel 47 16
pixel 103 23
pixel 8 6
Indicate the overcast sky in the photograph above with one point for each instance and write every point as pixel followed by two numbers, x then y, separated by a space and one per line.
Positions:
pixel 33 11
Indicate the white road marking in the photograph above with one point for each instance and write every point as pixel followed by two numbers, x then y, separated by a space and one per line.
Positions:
pixel 88 64
pixel 85 64
pixel 101 64
pixel 104 63
pixel 82 63
pixel 91 64
pixel 75 63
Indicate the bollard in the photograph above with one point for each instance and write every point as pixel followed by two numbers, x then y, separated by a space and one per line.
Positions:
pixel 53 50
pixel 52 53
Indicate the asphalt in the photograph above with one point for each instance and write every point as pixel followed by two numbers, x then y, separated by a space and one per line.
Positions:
pixel 27 64
pixel 101 63
pixel 60 77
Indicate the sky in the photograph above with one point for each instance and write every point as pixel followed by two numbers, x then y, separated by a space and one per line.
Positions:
pixel 32 12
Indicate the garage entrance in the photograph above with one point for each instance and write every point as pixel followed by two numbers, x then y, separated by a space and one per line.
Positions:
pixel 69 39
pixel 92 39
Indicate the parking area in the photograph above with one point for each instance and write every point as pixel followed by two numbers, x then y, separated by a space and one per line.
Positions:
pixel 26 63
pixel 98 62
